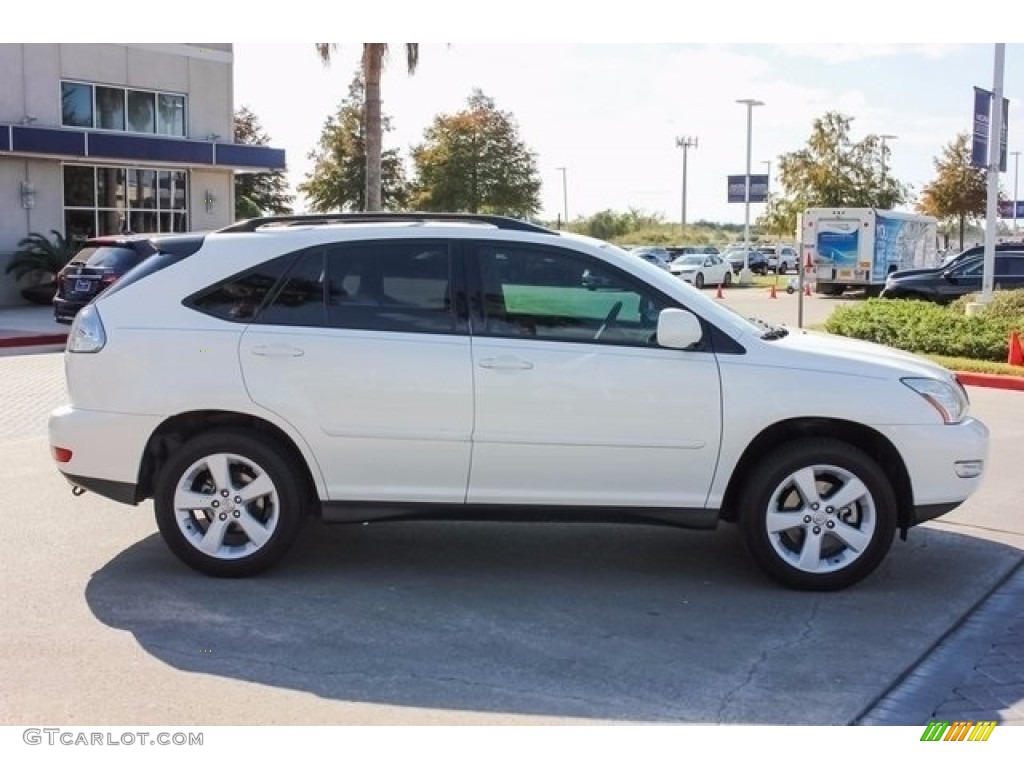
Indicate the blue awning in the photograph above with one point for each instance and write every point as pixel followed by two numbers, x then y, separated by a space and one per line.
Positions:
pixel 62 143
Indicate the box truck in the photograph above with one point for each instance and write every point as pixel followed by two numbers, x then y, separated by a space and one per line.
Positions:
pixel 857 248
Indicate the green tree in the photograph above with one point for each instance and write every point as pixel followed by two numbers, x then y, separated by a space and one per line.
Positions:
pixel 958 191
pixel 257 194
pixel 474 161
pixel 338 179
pixel 374 56
pixel 832 170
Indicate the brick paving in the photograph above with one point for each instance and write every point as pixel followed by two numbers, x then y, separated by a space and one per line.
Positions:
pixel 30 387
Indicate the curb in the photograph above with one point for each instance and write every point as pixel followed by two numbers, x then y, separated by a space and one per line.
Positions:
pixel 993 380
pixel 36 340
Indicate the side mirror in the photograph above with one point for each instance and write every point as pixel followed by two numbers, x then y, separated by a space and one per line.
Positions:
pixel 678 329
pixel 949 276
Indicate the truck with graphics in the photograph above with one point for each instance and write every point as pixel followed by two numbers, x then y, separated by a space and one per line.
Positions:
pixel 858 248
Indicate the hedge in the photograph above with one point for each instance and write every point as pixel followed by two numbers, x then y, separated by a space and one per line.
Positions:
pixel 931 329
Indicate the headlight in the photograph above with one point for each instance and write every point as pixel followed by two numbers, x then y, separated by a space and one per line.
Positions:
pixel 949 400
pixel 87 334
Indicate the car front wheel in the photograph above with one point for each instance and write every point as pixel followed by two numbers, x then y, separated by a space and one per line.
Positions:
pixel 818 514
pixel 228 503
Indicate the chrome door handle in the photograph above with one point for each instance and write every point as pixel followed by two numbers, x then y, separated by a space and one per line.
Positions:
pixel 277 350
pixel 506 363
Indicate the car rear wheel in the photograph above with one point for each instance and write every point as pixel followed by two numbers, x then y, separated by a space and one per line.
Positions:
pixel 818 514
pixel 727 279
pixel 228 503
pixel 698 280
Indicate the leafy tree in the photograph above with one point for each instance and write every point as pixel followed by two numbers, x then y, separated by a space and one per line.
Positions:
pixel 338 179
pixel 374 56
pixel 832 171
pixel 475 161
pixel 257 194
pixel 958 191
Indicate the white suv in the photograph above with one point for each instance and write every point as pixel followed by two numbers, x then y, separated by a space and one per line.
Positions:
pixel 361 367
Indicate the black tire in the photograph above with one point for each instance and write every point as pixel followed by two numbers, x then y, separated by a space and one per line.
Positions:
pixel 846 543
pixel 727 280
pixel 783 268
pixel 277 514
pixel 698 280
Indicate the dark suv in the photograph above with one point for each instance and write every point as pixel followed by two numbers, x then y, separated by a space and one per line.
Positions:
pixel 99 263
pixel 961 277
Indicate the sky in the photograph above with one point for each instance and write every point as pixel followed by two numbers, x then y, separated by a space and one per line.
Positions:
pixel 610 114
pixel 605 90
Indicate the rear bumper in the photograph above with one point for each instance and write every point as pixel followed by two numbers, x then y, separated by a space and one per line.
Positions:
pixel 125 493
pixel 106 449
pixel 64 311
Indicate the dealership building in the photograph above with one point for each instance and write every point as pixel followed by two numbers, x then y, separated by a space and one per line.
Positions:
pixel 102 139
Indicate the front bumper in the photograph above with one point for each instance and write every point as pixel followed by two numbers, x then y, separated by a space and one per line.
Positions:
pixel 933 454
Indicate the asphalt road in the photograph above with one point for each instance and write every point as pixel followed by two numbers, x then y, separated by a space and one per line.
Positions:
pixel 442 623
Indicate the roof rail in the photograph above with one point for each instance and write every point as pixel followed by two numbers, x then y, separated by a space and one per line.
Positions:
pixel 501 222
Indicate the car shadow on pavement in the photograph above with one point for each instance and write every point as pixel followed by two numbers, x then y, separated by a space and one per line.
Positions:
pixel 625 623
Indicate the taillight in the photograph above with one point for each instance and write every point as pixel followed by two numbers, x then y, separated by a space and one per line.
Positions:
pixel 60 455
pixel 108 279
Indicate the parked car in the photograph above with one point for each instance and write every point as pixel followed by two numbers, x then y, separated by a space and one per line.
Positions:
pixel 953 259
pixel 354 368
pixel 964 276
pixel 99 263
pixel 702 269
pixel 781 258
pixel 675 251
pixel 757 261
pixel 657 256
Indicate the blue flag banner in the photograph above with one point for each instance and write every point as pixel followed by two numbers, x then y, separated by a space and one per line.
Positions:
pixel 979 143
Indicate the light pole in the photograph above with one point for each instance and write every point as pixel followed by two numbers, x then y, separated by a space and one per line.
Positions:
pixel 685 143
pixel 1016 169
pixel 565 197
pixel 883 138
pixel 745 276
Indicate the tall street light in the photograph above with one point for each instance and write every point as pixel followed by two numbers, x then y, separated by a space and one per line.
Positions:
pixel 684 143
pixel 745 276
pixel 565 197
pixel 883 138
pixel 1016 169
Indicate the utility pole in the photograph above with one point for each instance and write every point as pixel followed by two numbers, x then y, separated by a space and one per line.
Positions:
pixel 565 197
pixel 745 276
pixel 684 143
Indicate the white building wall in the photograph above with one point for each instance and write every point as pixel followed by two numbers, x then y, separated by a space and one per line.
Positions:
pixel 30 87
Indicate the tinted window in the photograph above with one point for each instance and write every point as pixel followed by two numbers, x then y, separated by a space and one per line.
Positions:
pixel 300 301
pixel 972 268
pixel 108 257
pixel 391 286
pixel 557 295
pixel 240 296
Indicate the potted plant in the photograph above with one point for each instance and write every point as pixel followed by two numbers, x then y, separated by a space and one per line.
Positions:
pixel 38 256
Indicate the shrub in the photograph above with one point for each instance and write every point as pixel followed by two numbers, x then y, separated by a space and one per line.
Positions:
pixel 926 328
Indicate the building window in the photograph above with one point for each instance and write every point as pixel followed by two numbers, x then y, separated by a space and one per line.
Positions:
pixel 108 200
pixel 122 109
pixel 76 104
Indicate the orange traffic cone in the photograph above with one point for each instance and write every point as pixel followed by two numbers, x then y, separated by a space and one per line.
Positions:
pixel 772 294
pixel 718 293
pixel 1016 355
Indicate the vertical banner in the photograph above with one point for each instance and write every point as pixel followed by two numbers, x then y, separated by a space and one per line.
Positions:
pixel 979 143
pixel 981 122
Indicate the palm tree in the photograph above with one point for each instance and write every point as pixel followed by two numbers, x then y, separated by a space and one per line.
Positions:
pixel 374 55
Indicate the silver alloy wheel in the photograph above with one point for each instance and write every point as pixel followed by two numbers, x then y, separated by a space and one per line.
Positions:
pixel 226 506
pixel 821 518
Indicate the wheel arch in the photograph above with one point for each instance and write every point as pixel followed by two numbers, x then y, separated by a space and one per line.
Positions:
pixel 873 443
pixel 176 430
